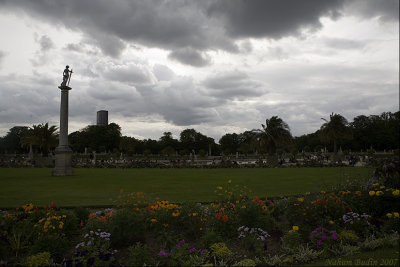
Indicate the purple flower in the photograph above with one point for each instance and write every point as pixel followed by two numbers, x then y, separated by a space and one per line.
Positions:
pixel 163 253
pixel 202 251
pixel 319 242
pixel 3 262
pixel 180 243
pixel 90 261
pixel 192 250
pixel 323 237
pixel 334 236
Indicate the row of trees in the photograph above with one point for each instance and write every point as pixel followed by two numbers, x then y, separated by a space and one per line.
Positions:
pixel 377 132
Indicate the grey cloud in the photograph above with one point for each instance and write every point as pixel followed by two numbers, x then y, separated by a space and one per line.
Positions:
pixel 129 73
pixel 173 25
pixel 386 10
pixel 191 57
pixel 233 85
pixel 163 73
pixel 273 19
pixel 338 43
pixel 2 56
pixel 45 43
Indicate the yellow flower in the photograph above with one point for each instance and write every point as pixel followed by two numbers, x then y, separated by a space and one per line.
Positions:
pixel 396 192
pixel 243 207
pixel 331 222
pixel 300 199
pixel 229 181
pixel 165 224
pixel 396 214
pixel 307 193
pixel 194 214
pixel 382 187
pixel 295 228
pixel 153 220
pixel 371 193
pixel 264 207
pixel 201 229
pixel 219 187
pixel 323 192
pixel 175 213
pixel 376 184
pixel 389 215
pixel 379 193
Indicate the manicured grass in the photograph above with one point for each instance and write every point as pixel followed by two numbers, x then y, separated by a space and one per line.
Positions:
pixel 90 187
pixel 379 257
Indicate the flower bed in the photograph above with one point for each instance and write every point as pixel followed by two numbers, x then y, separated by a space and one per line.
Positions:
pixel 235 230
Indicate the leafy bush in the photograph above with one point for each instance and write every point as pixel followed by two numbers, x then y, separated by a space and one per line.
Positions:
pixel 126 227
pixel 54 244
pixel 139 255
pixel 40 259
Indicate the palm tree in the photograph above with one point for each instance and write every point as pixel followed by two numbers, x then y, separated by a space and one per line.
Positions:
pixel 43 136
pixel 275 133
pixel 335 129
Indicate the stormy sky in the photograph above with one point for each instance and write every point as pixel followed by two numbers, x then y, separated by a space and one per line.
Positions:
pixel 218 66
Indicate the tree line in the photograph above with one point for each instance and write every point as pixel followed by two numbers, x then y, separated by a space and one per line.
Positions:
pixel 378 132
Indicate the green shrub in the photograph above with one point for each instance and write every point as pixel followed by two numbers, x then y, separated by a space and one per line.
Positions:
pixel 54 244
pixel 210 238
pixel 126 227
pixel 291 239
pixel 245 262
pixel 220 251
pixel 82 214
pixel 40 259
pixel 139 255
pixel 348 237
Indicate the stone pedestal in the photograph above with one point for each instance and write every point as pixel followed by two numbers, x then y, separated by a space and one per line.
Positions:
pixel 63 166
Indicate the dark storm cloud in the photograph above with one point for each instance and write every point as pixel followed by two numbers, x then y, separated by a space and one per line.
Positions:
pixel 385 10
pixel 180 25
pixel 272 19
pixel 233 85
pixel 190 56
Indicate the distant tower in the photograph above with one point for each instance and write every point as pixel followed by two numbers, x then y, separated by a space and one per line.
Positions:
pixel 102 117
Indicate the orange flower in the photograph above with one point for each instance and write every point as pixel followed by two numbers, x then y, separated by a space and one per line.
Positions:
pixel 92 215
pixel 225 218
pixel 102 219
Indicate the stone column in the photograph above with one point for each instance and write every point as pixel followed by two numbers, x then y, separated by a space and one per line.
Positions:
pixel 63 165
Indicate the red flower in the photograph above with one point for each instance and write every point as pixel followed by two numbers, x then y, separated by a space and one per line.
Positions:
pixel 225 218
pixel 218 215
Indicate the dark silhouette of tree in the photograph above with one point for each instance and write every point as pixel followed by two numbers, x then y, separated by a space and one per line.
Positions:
pixel 275 134
pixel 41 136
pixel 337 128
pixel 11 142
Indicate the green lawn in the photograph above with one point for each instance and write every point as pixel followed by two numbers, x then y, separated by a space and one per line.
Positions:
pixel 92 187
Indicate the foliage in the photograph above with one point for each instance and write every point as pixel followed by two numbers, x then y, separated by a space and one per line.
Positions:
pixel 126 227
pixel 275 134
pixel 220 251
pixel 40 259
pixel 54 244
pixel 337 128
pixel 139 255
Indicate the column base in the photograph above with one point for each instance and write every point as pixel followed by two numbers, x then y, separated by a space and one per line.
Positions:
pixel 63 166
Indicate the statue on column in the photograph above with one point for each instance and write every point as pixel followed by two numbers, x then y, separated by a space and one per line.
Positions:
pixel 66 76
